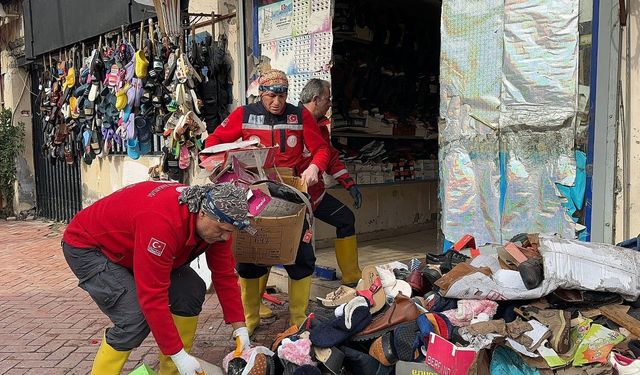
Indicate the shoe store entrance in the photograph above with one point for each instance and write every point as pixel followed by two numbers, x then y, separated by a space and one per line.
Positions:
pixel 384 123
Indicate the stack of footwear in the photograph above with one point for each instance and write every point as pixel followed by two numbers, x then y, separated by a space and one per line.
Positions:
pixel 420 324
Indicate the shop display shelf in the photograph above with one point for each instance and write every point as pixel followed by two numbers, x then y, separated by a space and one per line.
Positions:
pixel 386 136
pixel 338 186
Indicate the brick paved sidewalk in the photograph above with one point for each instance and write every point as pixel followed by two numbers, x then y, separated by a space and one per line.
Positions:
pixel 50 326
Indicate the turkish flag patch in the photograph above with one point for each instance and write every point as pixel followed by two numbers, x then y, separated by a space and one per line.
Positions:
pixel 292 119
pixel 156 247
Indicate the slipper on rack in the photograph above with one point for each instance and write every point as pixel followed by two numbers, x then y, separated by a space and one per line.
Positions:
pixel 144 135
pixel 138 90
pixel 120 136
pixel 97 67
pixel 70 80
pixel 96 143
pixel 129 70
pixel 196 125
pixel 195 101
pixel 142 64
pixel 184 158
pixel 107 141
pixel 68 152
pixel 121 97
pixel 133 149
pixel 170 166
pixel 129 124
pixel 112 79
pixel 131 95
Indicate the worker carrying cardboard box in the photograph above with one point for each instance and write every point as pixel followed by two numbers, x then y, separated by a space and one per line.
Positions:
pixel 275 122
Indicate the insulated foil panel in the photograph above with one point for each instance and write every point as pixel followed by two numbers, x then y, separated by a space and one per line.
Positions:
pixel 540 74
pixel 508 104
pixel 470 188
pixel 471 55
pixel 539 103
pixel 534 162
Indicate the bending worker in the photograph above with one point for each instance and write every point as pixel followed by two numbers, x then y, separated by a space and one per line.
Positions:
pixel 131 252
pixel 274 122
pixel 316 97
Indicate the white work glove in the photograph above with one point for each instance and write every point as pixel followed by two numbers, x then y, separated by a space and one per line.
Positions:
pixel 310 175
pixel 186 364
pixel 243 334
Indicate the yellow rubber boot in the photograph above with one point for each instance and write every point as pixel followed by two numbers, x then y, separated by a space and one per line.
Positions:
pixel 186 326
pixel 251 297
pixel 347 257
pixel 298 300
pixel 265 311
pixel 109 361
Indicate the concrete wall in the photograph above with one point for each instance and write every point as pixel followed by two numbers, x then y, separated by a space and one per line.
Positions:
pixel 16 86
pixel 627 222
pixel 387 210
pixel 107 175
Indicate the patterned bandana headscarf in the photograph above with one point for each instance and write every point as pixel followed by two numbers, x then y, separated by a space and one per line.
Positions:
pixel 224 202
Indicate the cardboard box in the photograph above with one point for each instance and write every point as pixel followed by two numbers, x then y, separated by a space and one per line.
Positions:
pixel 377 178
pixel 447 358
pixel 388 177
pixel 363 178
pixel 414 368
pixel 276 240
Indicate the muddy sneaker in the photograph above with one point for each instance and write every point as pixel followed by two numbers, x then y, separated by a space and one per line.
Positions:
pixel 558 321
pixel 447 260
pixel 531 272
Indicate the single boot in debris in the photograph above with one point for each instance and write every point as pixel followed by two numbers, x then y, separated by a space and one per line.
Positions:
pixel 558 321
pixel 447 260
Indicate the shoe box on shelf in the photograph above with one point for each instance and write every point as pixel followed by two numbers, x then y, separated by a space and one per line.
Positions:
pixel 426 169
pixel 352 123
pixel 404 170
pixel 377 126
pixel 371 173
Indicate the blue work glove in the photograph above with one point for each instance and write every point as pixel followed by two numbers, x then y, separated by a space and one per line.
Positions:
pixel 356 195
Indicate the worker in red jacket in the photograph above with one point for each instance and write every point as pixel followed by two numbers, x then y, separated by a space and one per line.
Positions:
pixel 274 122
pixel 316 97
pixel 131 252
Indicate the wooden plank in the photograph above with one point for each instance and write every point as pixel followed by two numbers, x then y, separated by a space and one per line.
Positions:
pixel 618 314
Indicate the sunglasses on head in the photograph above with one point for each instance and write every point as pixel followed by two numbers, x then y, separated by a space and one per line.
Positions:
pixel 277 89
pixel 224 218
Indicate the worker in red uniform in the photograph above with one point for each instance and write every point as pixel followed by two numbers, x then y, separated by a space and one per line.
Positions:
pixel 316 97
pixel 131 252
pixel 274 122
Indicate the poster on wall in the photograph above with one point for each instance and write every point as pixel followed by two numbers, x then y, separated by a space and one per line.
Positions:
pixel 295 37
pixel 320 16
pixel 275 21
